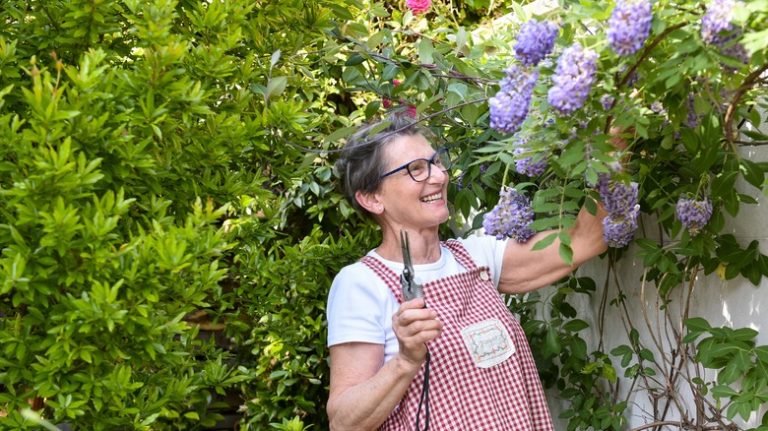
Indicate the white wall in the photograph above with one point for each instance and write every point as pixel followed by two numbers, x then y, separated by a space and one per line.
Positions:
pixel 734 303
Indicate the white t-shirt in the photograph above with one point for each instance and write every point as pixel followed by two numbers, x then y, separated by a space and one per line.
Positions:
pixel 360 305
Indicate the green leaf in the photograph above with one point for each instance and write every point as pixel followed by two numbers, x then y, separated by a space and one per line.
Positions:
pixel 390 72
pixel 697 324
pixel 354 60
pixel 519 12
pixel 552 344
pixel 274 59
pixel 621 350
pixel 459 88
pixel 723 184
pixel 339 134
pixel 543 223
pixel 545 242
pixel 426 51
pixel 752 172
pixel 566 253
pixel 275 87
pixel 576 325
pixel 755 41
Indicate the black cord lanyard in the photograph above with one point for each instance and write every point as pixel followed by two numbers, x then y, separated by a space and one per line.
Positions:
pixel 424 399
pixel 411 289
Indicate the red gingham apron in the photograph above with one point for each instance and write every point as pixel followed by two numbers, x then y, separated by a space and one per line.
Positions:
pixel 463 396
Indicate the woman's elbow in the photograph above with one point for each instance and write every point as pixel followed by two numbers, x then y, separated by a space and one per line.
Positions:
pixel 333 417
pixel 336 420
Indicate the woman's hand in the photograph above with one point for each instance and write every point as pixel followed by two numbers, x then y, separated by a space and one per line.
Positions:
pixel 617 137
pixel 414 326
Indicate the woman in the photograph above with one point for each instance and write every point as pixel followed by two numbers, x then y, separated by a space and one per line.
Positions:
pixel 482 375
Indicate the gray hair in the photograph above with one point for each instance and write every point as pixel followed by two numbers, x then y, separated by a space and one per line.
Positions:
pixel 362 163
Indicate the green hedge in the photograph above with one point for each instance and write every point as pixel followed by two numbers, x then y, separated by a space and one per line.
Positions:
pixel 152 218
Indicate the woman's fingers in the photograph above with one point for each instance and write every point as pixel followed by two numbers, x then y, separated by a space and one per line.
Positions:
pixel 420 327
pixel 415 303
pixel 415 326
pixel 406 316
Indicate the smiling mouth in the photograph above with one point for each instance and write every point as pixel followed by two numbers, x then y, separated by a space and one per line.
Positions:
pixel 432 198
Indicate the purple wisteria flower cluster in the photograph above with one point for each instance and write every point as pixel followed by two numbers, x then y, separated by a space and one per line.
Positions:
pixel 629 26
pixel 730 47
pixel 511 217
pixel 535 41
pixel 717 19
pixel 607 101
pixel 693 214
pixel 509 107
pixel 717 29
pixel 620 200
pixel 574 76
pixel 532 166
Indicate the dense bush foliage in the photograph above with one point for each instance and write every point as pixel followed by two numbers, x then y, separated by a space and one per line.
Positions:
pixel 153 213
pixel 169 223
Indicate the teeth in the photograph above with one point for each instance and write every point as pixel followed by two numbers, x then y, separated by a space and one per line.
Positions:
pixel 432 198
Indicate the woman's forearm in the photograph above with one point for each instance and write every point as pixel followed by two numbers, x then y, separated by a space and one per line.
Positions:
pixel 525 270
pixel 367 405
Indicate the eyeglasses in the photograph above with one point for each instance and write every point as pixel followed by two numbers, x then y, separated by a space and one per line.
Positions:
pixel 421 169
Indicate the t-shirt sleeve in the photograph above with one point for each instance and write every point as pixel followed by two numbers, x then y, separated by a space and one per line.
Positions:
pixel 356 307
pixel 488 251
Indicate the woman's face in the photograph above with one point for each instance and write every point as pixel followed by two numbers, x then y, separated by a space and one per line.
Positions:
pixel 408 203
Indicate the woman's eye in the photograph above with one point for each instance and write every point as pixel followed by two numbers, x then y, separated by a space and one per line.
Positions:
pixel 417 167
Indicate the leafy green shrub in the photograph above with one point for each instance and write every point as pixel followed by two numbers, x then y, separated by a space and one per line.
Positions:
pixel 131 132
pixel 286 286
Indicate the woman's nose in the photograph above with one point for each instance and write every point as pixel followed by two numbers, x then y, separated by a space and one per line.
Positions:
pixel 437 174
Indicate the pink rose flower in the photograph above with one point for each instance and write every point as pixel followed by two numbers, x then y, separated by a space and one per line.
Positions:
pixel 419 6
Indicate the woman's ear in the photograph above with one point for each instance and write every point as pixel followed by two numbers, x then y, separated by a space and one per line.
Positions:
pixel 370 201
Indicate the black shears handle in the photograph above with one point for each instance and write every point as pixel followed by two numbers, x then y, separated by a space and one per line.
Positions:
pixel 411 289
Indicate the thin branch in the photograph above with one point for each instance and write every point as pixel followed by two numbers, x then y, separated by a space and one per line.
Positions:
pixel 661 423
pixel 648 50
pixel 644 309
pixel 427 66
pixel 747 85
pixel 691 288
pixel 751 143
pixel 394 132
pixel 640 59
pixel 604 302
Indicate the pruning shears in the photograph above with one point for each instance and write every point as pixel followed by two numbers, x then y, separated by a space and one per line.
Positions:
pixel 411 289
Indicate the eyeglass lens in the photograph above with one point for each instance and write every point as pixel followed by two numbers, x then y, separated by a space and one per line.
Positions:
pixel 421 169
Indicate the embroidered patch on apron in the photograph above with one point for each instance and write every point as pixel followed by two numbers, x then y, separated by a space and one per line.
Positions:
pixel 488 342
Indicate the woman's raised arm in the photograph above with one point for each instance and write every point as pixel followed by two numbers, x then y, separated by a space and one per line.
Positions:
pixel 524 269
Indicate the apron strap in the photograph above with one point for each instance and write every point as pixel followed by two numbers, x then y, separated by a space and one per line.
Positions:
pixel 386 274
pixel 461 254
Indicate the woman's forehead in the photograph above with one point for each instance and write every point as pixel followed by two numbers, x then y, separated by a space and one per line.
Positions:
pixel 408 147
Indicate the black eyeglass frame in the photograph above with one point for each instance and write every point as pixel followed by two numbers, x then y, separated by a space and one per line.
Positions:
pixel 430 161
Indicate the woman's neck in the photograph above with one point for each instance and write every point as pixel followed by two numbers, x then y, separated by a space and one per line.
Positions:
pixel 424 245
